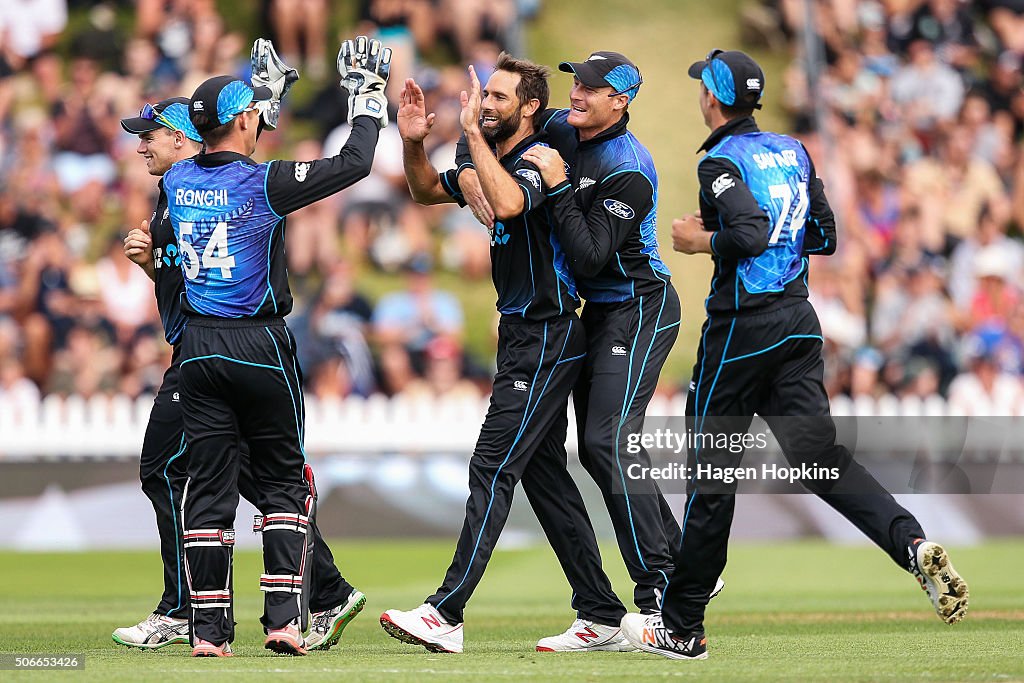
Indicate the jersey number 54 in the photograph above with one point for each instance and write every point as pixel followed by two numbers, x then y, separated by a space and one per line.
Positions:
pixel 215 254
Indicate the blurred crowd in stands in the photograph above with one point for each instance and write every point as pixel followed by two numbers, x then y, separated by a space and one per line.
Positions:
pixel 76 317
pixel 915 121
pixel 916 124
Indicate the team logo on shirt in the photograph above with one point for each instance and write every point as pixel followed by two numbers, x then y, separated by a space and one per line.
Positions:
pixel 498 234
pixel 167 214
pixel 520 385
pixel 301 169
pixel 585 182
pixel 721 184
pixel 618 350
pixel 620 209
pixel 171 256
pixel 530 176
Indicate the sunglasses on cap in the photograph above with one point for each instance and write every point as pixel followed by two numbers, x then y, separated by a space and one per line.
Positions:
pixel 627 89
pixel 710 58
pixel 149 113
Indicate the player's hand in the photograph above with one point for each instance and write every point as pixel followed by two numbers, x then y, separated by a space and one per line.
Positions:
pixel 138 245
pixel 470 116
pixel 549 162
pixel 473 193
pixel 689 237
pixel 365 66
pixel 414 123
pixel 269 70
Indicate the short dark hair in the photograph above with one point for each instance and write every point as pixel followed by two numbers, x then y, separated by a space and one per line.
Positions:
pixel 215 136
pixel 533 79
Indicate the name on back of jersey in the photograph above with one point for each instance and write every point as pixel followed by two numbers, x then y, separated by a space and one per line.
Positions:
pixel 786 157
pixel 190 197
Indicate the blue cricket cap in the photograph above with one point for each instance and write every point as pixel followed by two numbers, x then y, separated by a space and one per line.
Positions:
pixel 607 69
pixel 220 99
pixel 171 113
pixel 733 77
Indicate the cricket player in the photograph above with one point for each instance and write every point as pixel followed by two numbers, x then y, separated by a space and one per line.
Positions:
pixel 763 212
pixel 239 375
pixel 541 350
pixel 166 136
pixel 605 216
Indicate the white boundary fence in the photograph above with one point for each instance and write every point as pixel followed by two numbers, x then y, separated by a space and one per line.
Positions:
pixel 107 427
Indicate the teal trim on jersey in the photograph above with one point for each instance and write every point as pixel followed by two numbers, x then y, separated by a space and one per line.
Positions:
pixel 776 345
pixel 177 523
pixel 233 360
pixel 627 403
pixel 295 409
pixel 266 179
pixel 522 428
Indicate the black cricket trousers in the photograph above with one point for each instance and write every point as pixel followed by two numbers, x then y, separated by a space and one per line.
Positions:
pixel 627 345
pixel 240 380
pixel 162 472
pixel 768 363
pixel 523 438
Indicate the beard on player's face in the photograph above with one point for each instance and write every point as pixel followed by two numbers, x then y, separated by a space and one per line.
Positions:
pixel 506 127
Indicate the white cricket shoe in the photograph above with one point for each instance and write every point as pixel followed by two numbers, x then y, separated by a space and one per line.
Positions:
pixel 328 625
pixel 586 636
pixel 423 626
pixel 153 632
pixel 648 633
pixel 930 565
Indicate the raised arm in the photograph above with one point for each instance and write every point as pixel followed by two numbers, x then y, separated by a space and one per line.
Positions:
pixel 414 125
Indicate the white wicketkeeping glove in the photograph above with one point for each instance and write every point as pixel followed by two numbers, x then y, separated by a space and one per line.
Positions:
pixel 364 66
pixel 268 70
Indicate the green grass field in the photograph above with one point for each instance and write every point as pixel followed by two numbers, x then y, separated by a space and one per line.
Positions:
pixel 793 611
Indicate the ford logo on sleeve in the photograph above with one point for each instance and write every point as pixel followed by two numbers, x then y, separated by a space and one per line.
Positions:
pixel 617 208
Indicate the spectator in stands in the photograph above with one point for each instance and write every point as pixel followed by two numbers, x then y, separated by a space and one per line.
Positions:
pixel 337 328
pixel 125 292
pixel 312 238
pixel 84 127
pixel 413 317
pixel 985 389
pixel 443 377
pixel 378 216
pixel 927 91
pixel 300 27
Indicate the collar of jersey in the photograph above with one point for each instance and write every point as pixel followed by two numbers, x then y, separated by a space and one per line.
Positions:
pixel 523 145
pixel 617 129
pixel 740 126
pixel 222 159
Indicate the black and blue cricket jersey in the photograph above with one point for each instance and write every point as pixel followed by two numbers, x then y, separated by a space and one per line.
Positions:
pixel 605 214
pixel 228 213
pixel 528 264
pixel 760 195
pixel 169 282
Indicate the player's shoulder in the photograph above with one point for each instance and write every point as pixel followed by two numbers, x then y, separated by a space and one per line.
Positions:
pixel 624 154
pixel 554 119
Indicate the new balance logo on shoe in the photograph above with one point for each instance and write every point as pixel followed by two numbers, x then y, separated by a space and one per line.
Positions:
pixel 431 621
pixel 587 635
